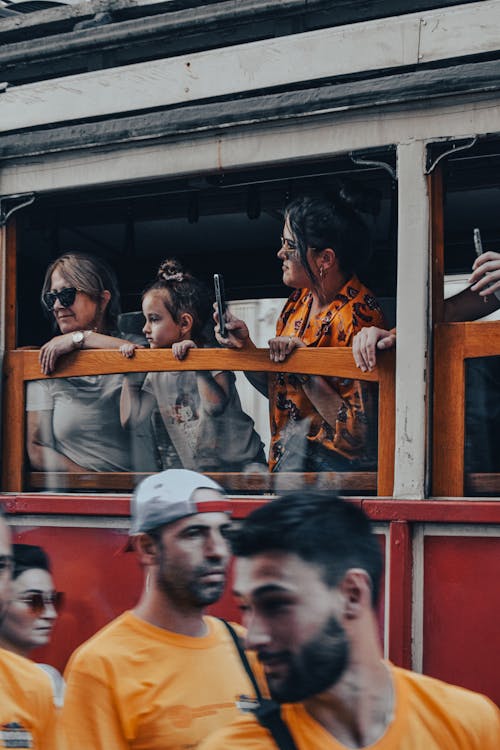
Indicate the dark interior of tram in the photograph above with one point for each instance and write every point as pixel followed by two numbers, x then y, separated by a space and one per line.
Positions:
pixel 231 222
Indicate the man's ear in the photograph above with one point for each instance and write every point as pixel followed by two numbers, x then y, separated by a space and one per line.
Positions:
pixel 186 323
pixel 356 588
pixel 147 549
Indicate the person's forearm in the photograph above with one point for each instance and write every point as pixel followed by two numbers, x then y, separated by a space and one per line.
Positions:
pixel 323 397
pixel 94 340
pixel 468 305
pixel 213 397
pixel 135 404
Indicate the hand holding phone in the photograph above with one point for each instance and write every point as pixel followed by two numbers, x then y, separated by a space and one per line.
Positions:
pixel 478 246
pixel 221 303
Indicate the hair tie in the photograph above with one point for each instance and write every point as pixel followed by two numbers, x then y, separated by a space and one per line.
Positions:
pixel 173 276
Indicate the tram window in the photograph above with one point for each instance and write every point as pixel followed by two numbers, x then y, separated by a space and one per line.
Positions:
pixel 229 224
pixel 471 200
pixel 482 425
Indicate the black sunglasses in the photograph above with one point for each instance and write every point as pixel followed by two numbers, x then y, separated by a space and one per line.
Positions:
pixel 65 296
pixel 6 562
pixel 38 600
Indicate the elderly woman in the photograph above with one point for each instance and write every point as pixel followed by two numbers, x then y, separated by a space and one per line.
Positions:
pixel 317 423
pixel 73 424
pixel 31 614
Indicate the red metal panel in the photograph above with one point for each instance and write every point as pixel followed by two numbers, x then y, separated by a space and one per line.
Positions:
pixel 400 594
pixel 461 633
pixel 98 578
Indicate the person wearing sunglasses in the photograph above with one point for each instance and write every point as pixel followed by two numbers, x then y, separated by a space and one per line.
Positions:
pixel 318 423
pixel 27 710
pixel 32 612
pixel 73 424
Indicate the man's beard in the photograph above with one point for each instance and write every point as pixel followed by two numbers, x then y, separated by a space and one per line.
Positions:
pixel 190 591
pixel 317 666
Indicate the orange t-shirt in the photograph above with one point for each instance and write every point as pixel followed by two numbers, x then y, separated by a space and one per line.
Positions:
pixel 429 715
pixel 295 422
pixel 134 685
pixel 27 712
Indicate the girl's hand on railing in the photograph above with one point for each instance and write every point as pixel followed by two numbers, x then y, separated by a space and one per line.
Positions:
pixel 280 347
pixel 128 349
pixel 181 348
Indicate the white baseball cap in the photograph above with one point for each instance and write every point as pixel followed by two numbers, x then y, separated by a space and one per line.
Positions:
pixel 168 496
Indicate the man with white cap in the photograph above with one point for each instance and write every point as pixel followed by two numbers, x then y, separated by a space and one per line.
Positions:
pixel 163 675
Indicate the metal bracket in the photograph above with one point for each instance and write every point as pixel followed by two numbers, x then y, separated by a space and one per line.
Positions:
pixel 443 150
pixel 23 200
pixel 361 161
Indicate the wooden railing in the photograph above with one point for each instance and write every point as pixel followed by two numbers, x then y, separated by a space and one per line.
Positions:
pixel 453 344
pixel 22 366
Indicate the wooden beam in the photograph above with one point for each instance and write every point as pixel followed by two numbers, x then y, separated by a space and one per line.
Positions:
pixel 352 49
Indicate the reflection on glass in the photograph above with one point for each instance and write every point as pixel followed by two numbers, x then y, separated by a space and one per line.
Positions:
pixel 261 426
pixel 482 425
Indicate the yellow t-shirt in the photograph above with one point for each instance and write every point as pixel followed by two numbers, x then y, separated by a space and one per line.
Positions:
pixel 429 715
pixel 134 685
pixel 27 713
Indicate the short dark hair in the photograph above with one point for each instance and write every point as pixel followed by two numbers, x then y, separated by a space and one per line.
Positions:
pixel 28 556
pixel 319 527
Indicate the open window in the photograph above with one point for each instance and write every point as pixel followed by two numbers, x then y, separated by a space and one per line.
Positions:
pixel 226 223
pixel 466 423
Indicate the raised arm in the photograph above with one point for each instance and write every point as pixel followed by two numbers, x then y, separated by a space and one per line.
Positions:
pixel 213 390
pixel 136 404
pixel 63 344
pixel 239 338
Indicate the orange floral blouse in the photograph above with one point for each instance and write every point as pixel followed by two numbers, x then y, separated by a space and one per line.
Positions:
pixel 294 419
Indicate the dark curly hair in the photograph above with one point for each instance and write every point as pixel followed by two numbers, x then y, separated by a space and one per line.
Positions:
pixel 318 222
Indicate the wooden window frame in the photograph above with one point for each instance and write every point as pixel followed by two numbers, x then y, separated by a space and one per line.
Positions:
pixel 453 344
pixel 22 366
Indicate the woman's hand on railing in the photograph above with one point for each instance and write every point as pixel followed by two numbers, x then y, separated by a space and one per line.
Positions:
pixel 53 349
pixel 280 347
pixel 365 345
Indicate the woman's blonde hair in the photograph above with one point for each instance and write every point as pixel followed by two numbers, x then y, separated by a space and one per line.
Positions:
pixel 90 275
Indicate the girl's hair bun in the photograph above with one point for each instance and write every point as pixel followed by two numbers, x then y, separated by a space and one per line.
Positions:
pixel 358 197
pixel 171 270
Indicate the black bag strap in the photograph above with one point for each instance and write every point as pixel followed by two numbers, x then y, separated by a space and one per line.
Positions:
pixel 267 711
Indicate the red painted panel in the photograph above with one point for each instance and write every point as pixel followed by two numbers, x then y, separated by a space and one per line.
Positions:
pixel 461 636
pixel 98 578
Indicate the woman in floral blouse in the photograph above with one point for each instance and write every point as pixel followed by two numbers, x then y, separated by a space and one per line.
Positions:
pixel 317 423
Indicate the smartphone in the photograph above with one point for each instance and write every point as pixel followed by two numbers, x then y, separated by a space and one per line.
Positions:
pixel 221 303
pixel 478 245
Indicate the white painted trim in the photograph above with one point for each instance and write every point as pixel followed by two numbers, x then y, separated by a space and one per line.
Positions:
pixel 461 529
pixel 417 610
pixel 411 312
pixel 63 521
pixel 387 588
pixel 298 58
pixel 278 143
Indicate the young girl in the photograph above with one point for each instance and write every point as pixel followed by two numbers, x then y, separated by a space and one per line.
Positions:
pixel 201 411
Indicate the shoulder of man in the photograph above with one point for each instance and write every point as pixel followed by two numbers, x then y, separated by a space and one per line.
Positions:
pixel 471 716
pixel 98 648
